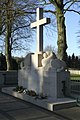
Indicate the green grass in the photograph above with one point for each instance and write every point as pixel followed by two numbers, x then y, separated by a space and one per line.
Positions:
pixel 74 77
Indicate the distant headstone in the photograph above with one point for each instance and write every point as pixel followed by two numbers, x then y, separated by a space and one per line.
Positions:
pixel 2 62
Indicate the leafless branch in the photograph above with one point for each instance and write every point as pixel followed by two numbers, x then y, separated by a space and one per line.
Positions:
pixel 78 12
pixel 71 3
pixel 54 12
pixel 21 27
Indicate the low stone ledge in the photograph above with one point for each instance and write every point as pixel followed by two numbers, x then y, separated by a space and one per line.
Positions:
pixel 49 104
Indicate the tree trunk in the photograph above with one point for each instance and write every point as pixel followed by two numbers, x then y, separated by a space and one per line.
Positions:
pixel 62 46
pixel 8 37
pixel 0 22
pixel 7 48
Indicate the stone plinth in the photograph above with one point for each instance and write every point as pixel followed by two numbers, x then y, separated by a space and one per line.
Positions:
pixel 50 84
pixel 45 76
pixel 49 104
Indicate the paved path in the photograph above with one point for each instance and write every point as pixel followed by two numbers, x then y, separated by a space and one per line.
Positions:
pixel 15 109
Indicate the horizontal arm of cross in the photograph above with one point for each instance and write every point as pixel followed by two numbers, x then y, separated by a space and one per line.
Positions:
pixel 40 22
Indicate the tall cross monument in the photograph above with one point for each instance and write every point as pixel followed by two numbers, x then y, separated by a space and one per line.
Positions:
pixel 39 25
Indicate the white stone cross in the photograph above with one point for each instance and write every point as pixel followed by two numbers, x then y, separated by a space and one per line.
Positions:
pixel 39 24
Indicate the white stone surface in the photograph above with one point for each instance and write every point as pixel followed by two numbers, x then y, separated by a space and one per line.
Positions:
pixel 45 78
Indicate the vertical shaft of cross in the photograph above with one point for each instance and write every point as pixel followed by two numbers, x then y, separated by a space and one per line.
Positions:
pixel 39 30
pixel 39 24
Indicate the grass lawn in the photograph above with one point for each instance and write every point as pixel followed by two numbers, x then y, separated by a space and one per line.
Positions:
pixel 74 77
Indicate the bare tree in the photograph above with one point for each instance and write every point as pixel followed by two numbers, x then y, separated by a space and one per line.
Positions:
pixel 59 8
pixel 50 48
pixel 16 18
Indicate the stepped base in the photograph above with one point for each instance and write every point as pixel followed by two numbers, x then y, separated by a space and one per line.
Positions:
pixel 49 103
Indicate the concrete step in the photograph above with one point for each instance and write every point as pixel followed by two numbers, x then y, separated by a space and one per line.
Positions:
pixel 49 103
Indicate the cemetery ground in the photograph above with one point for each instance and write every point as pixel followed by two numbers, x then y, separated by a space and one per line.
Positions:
pixel 15 109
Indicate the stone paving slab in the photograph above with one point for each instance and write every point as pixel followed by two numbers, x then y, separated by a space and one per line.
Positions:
pixel 11 106
pixel 2 117
pixel 15 109
pixel 30 113
pixel 8 98
pixel 50 118
pixel 71 113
